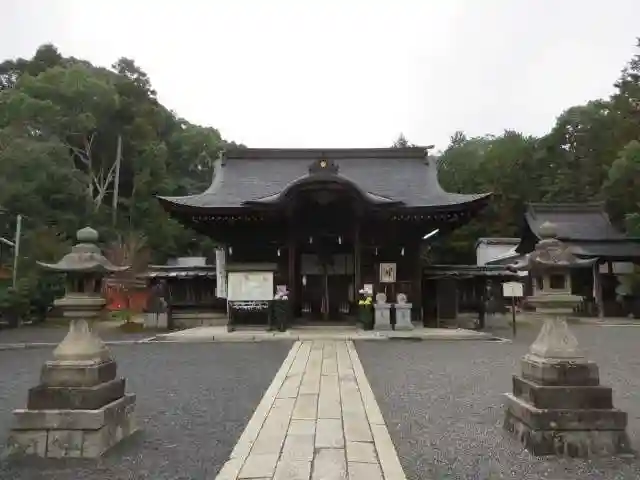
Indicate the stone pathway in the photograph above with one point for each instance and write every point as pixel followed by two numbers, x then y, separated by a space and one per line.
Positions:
pixel 220 334
pixel 318 420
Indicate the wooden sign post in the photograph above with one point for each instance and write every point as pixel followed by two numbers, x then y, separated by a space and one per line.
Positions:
pixel 513 290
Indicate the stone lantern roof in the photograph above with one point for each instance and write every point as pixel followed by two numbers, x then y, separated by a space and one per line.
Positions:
pixel 85 256
pixel 550 253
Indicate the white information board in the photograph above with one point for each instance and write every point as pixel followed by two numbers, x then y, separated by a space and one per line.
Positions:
pixel 221 273
pixel 512 289
pixel 249 286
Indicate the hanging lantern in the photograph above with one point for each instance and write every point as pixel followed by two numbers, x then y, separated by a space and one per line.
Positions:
pixel 230 250
pixel 310 240
pixel 278 252
pixel 339 240
pixel 376 251
pixel 304 280
pixel 402 251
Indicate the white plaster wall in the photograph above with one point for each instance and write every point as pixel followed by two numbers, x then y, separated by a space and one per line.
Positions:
pixel 487 252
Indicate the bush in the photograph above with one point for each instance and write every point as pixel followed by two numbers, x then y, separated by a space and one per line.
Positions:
pixel 31 299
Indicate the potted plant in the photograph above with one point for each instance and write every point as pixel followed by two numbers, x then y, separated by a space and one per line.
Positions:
pixel 365 310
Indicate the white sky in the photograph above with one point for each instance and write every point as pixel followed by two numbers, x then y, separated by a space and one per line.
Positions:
pixel 349 73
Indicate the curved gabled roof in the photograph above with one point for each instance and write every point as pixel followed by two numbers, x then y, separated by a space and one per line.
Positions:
pixel 399 175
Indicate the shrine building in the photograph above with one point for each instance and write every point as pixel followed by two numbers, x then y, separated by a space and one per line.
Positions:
pixel 329 223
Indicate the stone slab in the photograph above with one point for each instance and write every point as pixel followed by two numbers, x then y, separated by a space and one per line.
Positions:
pixel 571 443
pixel 330 464
pixel 71 419
pixel 364 471
pixel 548 372
pixel 63 374
pixel 259 466
pixel 563 397
pixel 329 433
pixel 362 452
pixel 292 470
pixel 563 420
pixel 43 397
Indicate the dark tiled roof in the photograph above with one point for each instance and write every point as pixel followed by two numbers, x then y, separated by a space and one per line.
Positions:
pixel 397 174
pixel 588 222
pixel 586 228
pixel 616 249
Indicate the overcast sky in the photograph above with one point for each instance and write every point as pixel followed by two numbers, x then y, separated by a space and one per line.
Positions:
pixel 347 73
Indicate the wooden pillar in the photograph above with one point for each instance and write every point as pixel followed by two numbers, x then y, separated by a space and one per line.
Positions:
pixel 357 249
pixel 417 286
pixel 291 272
pixel 597 289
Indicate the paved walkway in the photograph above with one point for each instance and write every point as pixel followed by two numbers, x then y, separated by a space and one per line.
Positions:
pixel 220 334
pixel 318 420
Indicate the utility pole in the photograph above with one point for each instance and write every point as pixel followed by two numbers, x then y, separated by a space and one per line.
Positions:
pixel 16 249
pixel 116 182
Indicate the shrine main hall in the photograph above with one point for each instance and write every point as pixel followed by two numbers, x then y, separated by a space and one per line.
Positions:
pixel 329 223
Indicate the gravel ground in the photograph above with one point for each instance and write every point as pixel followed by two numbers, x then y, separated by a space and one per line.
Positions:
pixel 443 405
pixel 54 334
pixel 194 401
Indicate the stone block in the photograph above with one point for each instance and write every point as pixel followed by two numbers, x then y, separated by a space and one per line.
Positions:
pixel 44 397
pixel 63 374
pixel 563 397
pixel 549 372
pixel 564 419
pixel 572 443
pixel 73 419
pixel 64 443
pixel 73 433
pixel 28 442
pixel 120 424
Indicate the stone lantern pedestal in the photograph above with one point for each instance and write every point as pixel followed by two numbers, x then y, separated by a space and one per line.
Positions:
pixel 558 406
pixel 382 313
pixel 403 313
pixel 80 408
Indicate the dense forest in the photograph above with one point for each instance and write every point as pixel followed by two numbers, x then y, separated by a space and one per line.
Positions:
pixel 86 145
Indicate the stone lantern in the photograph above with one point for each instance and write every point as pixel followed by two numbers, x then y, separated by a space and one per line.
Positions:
pixel 80 408
pixel 558 406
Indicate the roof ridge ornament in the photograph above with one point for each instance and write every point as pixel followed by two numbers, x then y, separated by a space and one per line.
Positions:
pixel 324 165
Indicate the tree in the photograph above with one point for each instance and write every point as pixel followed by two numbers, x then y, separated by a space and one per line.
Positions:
pixel 622 186
pixel 401 142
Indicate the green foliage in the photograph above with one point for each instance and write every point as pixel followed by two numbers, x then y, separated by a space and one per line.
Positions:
pixel 65 124
pixel 592 153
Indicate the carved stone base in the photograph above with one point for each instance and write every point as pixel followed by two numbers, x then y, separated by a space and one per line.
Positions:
pixel 72 433
pixel 403 317
pixel 581 441
pixel 558 407
pixel 382 316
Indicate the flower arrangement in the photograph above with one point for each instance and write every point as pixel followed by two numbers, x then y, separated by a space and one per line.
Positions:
pixel 365 301
pixel 282 295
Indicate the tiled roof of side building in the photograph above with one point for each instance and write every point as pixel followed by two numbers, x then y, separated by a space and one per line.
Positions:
pixel 589 221
pixel 399 174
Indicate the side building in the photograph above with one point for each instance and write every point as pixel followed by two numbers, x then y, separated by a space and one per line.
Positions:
pixel 589 233
pixel 332 221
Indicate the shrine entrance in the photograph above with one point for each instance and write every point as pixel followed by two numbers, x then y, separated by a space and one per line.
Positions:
pixel 323 222
pixel 326 286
